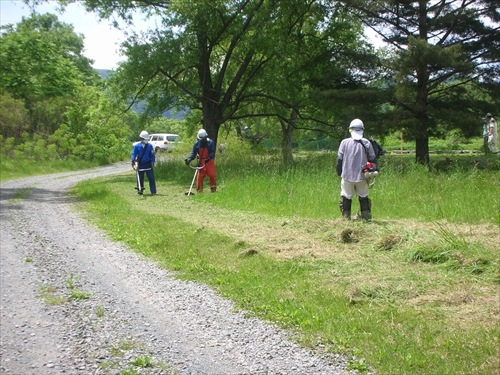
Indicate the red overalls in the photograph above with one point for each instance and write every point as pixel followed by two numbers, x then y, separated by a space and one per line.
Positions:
pixel 208 170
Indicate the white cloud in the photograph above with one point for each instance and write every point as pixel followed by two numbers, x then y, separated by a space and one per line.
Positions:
pixel 101 41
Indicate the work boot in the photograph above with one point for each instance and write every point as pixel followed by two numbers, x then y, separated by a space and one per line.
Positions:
pixel 366 215
pixel 213 189
pixel 345 207
pixel 366 208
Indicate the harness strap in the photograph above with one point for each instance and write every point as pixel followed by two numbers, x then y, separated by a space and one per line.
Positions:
pixel 143 153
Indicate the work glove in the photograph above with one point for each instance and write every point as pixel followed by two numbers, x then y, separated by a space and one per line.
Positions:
pixel 207 160
pixel 133 164
pixel 187 161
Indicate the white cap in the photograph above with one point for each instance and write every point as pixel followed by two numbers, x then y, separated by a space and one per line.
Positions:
pixel 356 124
pixel 356 128
pixel 144 135
pixel 202 133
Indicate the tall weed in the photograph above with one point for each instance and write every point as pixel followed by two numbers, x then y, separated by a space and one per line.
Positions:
pixel 310 187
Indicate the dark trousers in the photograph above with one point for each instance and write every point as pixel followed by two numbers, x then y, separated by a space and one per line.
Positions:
pixel 485 145
pixel 151 178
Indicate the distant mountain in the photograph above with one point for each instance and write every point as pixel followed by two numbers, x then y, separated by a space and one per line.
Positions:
pixel 181 115
pixel 139 107
pixel 104 72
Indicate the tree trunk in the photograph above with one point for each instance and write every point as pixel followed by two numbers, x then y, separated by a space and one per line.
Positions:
pixel 422 141
pixel 286 140
pixel 211 121
pixel 422 151
pixel 422 132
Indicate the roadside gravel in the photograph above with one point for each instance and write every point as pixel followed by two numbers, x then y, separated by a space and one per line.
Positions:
pixel 74 302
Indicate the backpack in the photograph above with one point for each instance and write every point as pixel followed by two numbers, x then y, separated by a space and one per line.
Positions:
pixel 379 151
pixel 371 170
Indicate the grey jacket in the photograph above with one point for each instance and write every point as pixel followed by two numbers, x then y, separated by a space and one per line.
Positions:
pixel 352 157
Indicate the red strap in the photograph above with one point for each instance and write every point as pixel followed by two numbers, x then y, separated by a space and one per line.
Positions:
pixel 202 152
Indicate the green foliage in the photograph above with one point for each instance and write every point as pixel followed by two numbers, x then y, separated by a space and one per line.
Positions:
pixel 359 365
pixel 451 141
pixel 70 283
pixel 100 311
pixel 256 60
pixel 34 67
pixel 443 79
pixel 142 362
pixel 51 299
pixel 65 118
pixel 93 131
pixel 13 116
pixel 78 295
pixel 42 57
pixel 48 295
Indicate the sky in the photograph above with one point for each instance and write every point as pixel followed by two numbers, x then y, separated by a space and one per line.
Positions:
pixel 101 41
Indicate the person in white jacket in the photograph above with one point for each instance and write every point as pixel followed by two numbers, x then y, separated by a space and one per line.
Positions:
pixel 353 156
pixel 492 128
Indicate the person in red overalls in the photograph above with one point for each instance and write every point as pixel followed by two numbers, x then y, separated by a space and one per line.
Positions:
pixel 204 149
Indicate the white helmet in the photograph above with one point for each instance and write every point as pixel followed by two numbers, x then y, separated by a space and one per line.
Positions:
pixel 356 124
pixel 144 135
pixel 202 133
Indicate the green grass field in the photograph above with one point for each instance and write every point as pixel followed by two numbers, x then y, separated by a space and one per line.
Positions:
pixel 11 169
pixel 413 292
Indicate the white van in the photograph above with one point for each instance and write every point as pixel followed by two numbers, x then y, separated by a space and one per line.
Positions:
pixel 163 141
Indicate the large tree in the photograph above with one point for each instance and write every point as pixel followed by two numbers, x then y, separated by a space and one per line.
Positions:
pixel 222 57
pixel 441 49
pixel 321 52
pixel 207 57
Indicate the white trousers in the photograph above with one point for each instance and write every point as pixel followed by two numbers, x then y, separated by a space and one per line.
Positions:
pixel 348 189
pixel 492 143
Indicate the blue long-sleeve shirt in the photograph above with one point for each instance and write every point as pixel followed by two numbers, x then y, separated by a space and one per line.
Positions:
pixel 143 155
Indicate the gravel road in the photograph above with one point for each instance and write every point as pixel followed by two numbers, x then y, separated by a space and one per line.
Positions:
pixel 74 302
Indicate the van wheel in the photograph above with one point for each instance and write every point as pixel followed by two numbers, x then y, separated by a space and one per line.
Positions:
pixel 157 149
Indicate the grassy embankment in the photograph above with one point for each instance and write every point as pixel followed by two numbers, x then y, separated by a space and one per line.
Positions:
pixel 11 169
pixel 413 292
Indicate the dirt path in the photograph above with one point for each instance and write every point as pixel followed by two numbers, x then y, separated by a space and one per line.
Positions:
pixel 73 302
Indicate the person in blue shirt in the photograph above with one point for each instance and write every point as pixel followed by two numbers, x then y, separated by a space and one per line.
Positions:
pixel 143 160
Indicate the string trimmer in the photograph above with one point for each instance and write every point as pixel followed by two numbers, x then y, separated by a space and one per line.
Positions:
pixel 139 187
pixel 196 170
